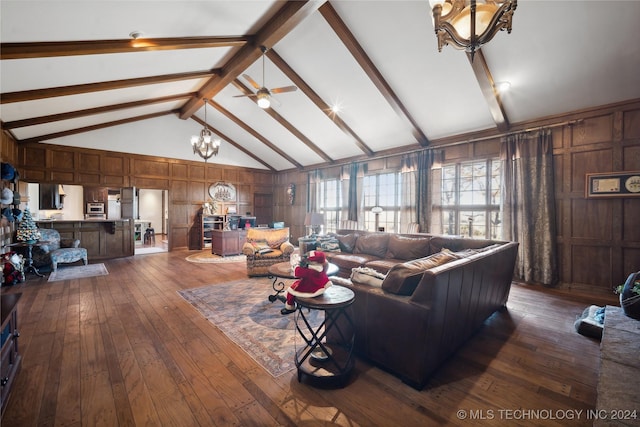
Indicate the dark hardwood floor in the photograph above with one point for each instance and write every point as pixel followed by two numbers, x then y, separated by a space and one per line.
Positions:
pixel 126 349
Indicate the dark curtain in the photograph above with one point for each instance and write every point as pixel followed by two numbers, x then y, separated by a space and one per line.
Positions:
pixel 425 161
pixel 352 197
pixel 408 191
pixel 529 204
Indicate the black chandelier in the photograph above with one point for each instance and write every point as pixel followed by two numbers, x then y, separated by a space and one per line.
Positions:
pixel 205 145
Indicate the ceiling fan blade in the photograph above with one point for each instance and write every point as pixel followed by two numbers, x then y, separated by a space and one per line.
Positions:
pixel 284 89
pixel 251 81
pixel 240 96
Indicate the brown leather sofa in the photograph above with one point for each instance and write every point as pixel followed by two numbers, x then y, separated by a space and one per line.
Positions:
pixel 420 315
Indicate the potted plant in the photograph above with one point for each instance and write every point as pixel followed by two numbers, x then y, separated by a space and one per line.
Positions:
pixel 630 295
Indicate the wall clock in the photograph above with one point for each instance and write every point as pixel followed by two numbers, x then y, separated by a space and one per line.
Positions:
pixel 222 192
pixel 632 184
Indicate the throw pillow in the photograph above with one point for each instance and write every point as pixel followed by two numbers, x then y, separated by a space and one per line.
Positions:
pixel 259 245
pixel 372 244
pixel 330 245
pixel 401 247
pixel 347 242
pixel 403 278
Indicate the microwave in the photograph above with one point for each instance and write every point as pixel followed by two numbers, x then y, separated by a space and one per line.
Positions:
pixel 95 208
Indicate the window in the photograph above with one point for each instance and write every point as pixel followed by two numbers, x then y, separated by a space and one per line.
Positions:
pixel 330 203
pixel 470 199
pixel 382 190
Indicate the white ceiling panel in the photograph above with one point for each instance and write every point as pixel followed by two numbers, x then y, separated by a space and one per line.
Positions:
pixel 248 112
pixel 562 56
pixel 96 119
pixel 41 73
pixel 34 21
pixel 438 88
pixel 64 104
pixel 219 124
pixel 161 137
pixel 322 60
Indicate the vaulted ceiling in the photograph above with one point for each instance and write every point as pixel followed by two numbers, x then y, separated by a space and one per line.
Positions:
pixel 71 74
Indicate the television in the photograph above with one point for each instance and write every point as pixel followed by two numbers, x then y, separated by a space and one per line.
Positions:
pixel 246 222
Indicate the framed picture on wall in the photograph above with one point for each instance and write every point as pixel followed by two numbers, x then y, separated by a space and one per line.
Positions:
pixel 614 184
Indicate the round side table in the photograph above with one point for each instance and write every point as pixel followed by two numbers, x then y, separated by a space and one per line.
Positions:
pixel 322 362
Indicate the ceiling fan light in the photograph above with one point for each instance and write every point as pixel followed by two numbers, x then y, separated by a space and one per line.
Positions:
pixel 263 102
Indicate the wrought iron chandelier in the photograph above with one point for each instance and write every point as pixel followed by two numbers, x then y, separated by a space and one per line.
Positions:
pixel 205 145
pixel 469 24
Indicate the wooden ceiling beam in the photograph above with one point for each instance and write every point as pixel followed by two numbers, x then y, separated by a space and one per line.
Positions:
pixel 253 133
pixel 30 95
pixel 284 123
pixel 95 47
pixel 234 143
pixel 279 62
pixel 488 88
pixel 93 127
pixel 285 20
pixel 358 53
pixel 90 111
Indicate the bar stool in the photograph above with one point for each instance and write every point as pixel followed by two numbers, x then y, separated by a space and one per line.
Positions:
pixel 150 236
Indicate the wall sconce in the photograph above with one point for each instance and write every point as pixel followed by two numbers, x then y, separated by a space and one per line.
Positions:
pixel 291 193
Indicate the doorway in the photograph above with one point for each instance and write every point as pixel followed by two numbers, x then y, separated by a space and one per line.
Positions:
pixel 152 213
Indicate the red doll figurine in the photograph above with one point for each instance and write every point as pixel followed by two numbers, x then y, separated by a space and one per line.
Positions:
pixel 312 280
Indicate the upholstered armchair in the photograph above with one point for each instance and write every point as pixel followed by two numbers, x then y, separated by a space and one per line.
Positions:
pixel 58 250
pixel 265 247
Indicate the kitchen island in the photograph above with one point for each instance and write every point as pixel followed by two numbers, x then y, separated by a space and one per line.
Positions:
pixel 102 238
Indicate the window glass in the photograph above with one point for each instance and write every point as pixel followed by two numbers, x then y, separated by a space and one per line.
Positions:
pixel 470 199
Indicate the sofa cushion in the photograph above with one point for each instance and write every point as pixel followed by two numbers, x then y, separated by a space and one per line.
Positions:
pixel 403 278
pixel 347 261
pixel 347 242
pixel 407 248
pixel 372 244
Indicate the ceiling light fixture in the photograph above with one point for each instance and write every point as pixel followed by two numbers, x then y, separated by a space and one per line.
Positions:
pixel 503 87
pixel 204 145
pixel 469 24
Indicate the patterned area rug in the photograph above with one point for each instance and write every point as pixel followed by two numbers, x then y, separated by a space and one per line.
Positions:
pixel 206 257
pixel 78 272
pixel 241 309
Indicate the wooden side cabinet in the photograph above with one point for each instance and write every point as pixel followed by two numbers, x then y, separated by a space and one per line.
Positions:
pixel 9 337
pixel 227 242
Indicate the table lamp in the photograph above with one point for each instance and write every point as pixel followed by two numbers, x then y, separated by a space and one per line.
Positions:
pixel 314 221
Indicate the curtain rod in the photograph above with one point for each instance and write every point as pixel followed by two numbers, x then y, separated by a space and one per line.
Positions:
pixel 451 144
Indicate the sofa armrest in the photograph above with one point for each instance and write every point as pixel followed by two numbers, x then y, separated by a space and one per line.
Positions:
pixel 287 248
pixel 248 249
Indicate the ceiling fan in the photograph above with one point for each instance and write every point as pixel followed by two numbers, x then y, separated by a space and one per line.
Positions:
pixel 263 93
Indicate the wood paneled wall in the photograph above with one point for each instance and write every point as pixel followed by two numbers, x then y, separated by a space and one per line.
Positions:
pixel 187 182
pixel 599 240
